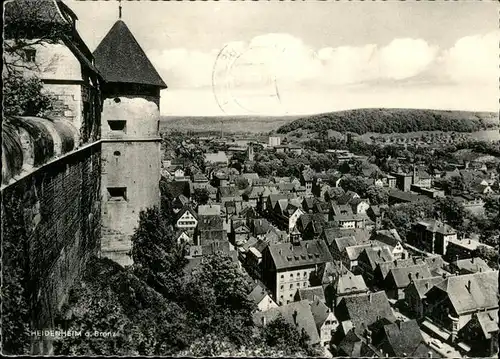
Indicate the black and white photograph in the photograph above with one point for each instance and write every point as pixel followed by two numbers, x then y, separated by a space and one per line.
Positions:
pixel 236 178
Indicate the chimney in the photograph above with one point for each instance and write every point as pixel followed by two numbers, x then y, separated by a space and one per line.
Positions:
pixel 417 275
pixel 468 285
pixel 410 276
pixel 444 275
pixel 427 285
pixel 295 317
pixel 472 260
pixel 396 263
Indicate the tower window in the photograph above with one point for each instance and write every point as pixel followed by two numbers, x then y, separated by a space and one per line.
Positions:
pixel 117 100
pixel 118 125
pixel 117 193
pixel 117 153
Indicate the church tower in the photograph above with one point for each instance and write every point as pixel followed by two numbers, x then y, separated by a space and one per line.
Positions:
pixel 130 138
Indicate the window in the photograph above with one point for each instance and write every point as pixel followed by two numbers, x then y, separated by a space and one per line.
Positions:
pixel 118 125
pixel 291 286
pixel 117 193
pixel 117 153
pixel 305 274
pixel 30 55
pixel 282 276
pixel 281 286
pixel 305 284
pixel 291 275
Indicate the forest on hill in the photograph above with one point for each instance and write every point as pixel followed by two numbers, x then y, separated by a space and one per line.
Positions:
pixel 362 121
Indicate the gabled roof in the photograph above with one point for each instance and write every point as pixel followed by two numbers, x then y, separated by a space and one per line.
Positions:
pixel 488 321
pixel 185 209
pixel 402 276
pixel 403 338
pixel 355 346
pixel 319 311
pixel 348 283
pixel 377 254
pixel 209 210
pixel 120 58
pixel 471 265
pixel 471 291
pixel 311 293
pixel 258 294
pixel 209 223
pixel 287 255
pixel 385 267
pixel 424 285
pixel 365 309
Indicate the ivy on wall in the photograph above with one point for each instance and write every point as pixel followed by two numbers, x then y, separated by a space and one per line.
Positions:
pixel 15 308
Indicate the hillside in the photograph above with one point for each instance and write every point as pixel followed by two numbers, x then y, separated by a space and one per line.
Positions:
pixel 393 121
pixel 231 124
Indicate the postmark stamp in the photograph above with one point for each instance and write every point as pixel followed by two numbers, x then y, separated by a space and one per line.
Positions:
pixel 245 80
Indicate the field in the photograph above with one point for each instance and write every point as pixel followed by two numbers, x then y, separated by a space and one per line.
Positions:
pixel 236 124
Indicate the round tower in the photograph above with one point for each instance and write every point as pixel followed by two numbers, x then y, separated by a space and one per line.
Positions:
pixel 131 158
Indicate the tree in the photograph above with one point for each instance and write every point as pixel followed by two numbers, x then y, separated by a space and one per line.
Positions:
pixel 158 258
pixel 489 255
pixel 402 216
pixel 201 196
pixel 26 27
pixel 24 96
pixel 281 335
pixel 448 210
pixel 334 193
pixel 377 195
pixel 356 184
pixel 216 293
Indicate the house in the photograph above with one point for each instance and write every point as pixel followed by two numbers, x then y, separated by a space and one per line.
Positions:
pixel 384 268
pixel 359 205
pixel 310 294
pixel 241 233
pixel 481 334
pixel 337 245
pixel 179 203
pixel 396 196
pixel 432 236
pixel 259 227
pixel 306 179
pixel 311 225
pixel 452 302
pixel 415 294
pixel 404 339
pixel 370 257
pixel 391 238
pixel 469 266
pixel 183 237
pixel 209 210
pixel 462 248
pixel 398 279
pixel 325 321
pixel 287 267
pixel 364 310
pixel 344 284
pixel 187 219
pixel 347 197
pixel 210 229
pixel 298 314
pixel 355 345
pixel 229 194
pixel 261 298
pixel 471 203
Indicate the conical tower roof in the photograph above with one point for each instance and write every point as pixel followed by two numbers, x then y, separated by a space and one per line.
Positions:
pixel 120 58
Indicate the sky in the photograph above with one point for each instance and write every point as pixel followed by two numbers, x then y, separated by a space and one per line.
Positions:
pixel 304 57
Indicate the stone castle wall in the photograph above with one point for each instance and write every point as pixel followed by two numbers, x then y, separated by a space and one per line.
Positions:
pixel 59 211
